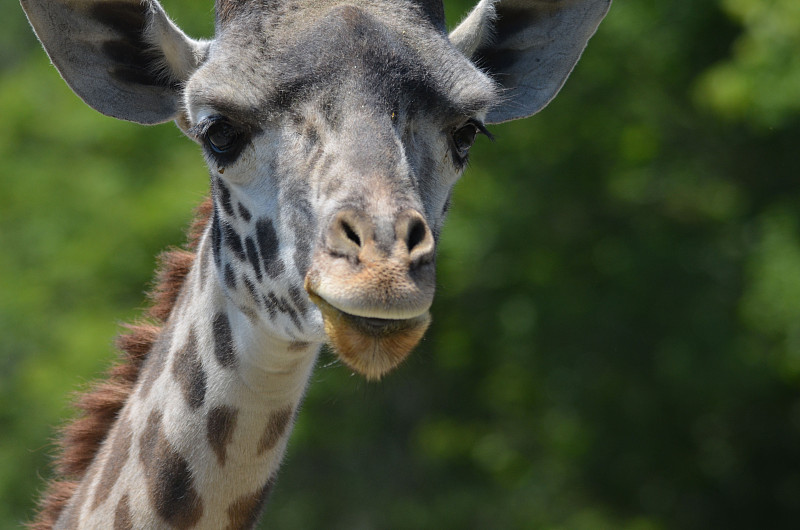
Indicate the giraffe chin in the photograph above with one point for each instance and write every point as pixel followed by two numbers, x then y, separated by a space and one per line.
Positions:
pixel 370 346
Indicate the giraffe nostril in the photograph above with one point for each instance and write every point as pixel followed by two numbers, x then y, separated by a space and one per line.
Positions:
pixel 350 233
pixel 412 230
pixel 358 236
pixel 416 234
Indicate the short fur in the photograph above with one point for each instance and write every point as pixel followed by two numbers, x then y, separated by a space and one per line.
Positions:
pixel 99 406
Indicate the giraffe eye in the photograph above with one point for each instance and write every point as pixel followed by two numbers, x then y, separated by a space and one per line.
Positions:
pixel 464 137
pixel 221 136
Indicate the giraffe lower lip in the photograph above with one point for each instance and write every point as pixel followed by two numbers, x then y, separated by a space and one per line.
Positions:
pixel 370 326
pixel 378 327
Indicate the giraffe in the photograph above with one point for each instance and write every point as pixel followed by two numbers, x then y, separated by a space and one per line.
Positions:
pixel 334 132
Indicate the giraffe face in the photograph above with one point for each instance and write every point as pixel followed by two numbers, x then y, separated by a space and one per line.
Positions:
pixel 332 157
pixel 334 133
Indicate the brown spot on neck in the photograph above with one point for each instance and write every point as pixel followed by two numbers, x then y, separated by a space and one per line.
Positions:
pixel 223 341
pixel 276 427
pixel 122 515
pixel 219 427
pixel 244 511
pixel 169 479
pixel 189 373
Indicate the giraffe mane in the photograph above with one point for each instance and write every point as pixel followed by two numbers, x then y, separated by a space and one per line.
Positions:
pixel 98 407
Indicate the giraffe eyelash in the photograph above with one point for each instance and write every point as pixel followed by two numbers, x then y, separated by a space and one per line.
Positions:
pixel 482 128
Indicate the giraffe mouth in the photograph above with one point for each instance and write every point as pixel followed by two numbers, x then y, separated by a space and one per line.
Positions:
pixel 371 346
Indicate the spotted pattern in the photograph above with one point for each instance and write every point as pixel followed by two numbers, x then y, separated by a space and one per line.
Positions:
pixel 230 277
pixel 252 257
pixel 188 371
pixel 276 305
pixel 117 457
pixel 268 243
pixel 244 213
pixel 216 238
pixel 224 196
pixel 244 511
pixel 232 240
pixel 271 304
pixel 276 427
pixel 250 288
pixel 122 515
pixel 169 480
pixel 223 341
pixel 298 299
pixel 220 424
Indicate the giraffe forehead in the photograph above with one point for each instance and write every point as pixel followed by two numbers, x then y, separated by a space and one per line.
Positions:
pixel 345 55
pixel 229 12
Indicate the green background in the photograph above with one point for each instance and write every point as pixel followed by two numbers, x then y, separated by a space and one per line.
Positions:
pixel 616 337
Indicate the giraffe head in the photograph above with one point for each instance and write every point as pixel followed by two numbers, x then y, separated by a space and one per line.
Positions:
pixel 334 133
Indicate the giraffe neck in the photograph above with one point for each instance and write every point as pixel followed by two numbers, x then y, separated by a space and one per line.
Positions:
pixel 200 439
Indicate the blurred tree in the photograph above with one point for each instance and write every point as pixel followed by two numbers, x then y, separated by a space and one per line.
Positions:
pixel 760 81
pixel 615 340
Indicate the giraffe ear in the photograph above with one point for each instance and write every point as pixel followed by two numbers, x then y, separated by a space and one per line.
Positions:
pixel 528 46
pixel 124 58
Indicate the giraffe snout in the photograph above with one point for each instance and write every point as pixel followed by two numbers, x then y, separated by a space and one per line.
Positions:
pixel 405 238
pixel 373 279
pixel 376 266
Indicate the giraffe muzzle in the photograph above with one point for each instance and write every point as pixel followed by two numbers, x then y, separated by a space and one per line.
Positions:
pixel 373 280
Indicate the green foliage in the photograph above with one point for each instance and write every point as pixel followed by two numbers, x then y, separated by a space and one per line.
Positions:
pixel 761 79
pixel 615 340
